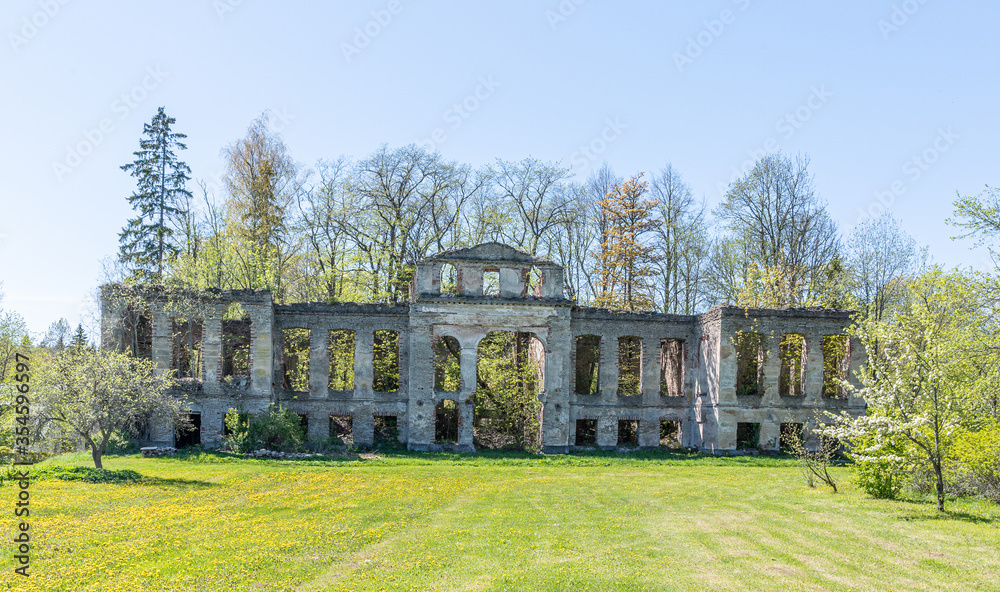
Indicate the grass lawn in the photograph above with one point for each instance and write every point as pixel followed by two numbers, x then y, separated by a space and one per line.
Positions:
pixel 493 522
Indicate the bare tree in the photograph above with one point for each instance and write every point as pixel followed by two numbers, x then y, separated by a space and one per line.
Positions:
pixel 882 257
pixel 681 242
pixel 536 198
pixel 779 229
pixel 404 200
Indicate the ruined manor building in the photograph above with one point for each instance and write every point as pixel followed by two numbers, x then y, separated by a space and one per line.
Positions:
pixel 726 379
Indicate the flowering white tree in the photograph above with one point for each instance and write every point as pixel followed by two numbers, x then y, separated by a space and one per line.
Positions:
pixel 917 383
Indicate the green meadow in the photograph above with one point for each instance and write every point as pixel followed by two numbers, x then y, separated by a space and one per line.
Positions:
pixel 401 521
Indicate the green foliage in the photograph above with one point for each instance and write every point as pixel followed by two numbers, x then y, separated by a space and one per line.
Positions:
pixel 237 436
pixel 341 360
pixel 835 365
pixel 147 241
pixel 977 461
pixel 879 477
pixel 9 475
pixel 296 359
pixel 386 362
pixel 447 364
pixel 792 374
pixel 508 381
pixel 919 380
pixel 276 429
pixel 751 355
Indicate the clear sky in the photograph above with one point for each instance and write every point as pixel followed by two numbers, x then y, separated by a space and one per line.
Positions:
pixel 894 101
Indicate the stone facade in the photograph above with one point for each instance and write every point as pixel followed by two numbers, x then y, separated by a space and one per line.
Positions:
pixel 696 385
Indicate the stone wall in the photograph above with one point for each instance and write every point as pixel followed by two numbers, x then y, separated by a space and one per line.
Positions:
pixel 709 410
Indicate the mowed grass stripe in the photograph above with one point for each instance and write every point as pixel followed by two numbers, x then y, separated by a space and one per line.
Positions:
pixel 487 525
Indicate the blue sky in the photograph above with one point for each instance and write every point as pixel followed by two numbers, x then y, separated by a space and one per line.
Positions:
pixel 895 102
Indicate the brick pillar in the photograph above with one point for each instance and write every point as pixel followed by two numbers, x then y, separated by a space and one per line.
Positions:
pixel 650 375
pixel 649 433
pixel 261 349
pixel 162 337
pixel 814 368
pixel 212 348
pixel 607 374
pixel 318 426
pixel 772 371
pixel 319 362
pixel 364 358
pixel 607 431
pixel 363 425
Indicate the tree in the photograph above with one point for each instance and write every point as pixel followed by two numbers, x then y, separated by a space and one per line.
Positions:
pixel 262 181
pixel 917 382
pixel 681 242
pixel 79 340
pixel 776 228
pixel 404 201
pixel 978 215
pixel 882 258
pixel 160 199
pixel 57 335
pixel 624 259
pixel 94 393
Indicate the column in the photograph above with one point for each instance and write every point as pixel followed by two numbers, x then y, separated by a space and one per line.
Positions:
pixel 261 349
pixel 162 337
pixel 607 374
pixel 319 361
pixel 650 376
pixel 364 359
pixel 212 344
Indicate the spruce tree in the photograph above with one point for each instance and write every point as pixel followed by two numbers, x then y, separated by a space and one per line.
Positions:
pixel 146 241
pixel 79 338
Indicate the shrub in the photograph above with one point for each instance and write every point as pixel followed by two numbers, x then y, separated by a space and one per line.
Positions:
pixel 977 462
pixel 277 429
pixel 237 437
pixel 879 477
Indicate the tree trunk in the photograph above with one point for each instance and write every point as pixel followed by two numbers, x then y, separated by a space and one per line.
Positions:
pixel 939 486
pixel 96 452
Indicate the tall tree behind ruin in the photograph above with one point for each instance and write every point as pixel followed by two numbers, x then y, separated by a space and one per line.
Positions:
pixel 779 237
pixel 882 259
pixel 146 242
pixel 595 190
pixel 403 200
pixel 681 242
pixel 322 220
pixel 262 181
pixel 537 200
pixel 626 261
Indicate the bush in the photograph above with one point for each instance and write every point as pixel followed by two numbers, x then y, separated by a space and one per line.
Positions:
pixel 87 474
pixel 276 429
pixel 977 463
pixel 878 477
pixel 121 442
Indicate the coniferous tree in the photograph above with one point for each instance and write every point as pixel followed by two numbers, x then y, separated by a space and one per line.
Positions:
pixel 79 338
pixel 146 241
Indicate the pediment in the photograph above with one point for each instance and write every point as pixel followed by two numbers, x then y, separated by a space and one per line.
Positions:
pixel 489 252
